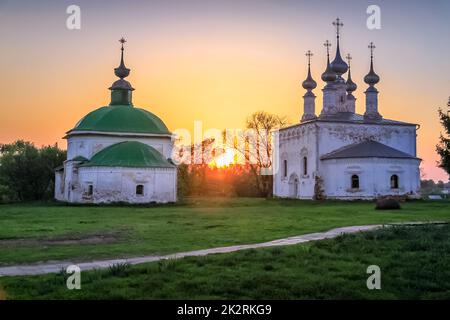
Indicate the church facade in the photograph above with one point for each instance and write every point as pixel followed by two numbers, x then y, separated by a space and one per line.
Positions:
pixel 118 153
pixel 340 154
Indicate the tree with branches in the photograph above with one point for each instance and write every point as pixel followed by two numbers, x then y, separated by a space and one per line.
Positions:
pixel 443 148
pixel 257 147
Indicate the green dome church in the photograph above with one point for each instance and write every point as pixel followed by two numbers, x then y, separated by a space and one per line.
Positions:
pixel 118 153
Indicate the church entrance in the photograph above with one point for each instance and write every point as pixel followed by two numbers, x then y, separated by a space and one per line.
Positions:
pixel 293 186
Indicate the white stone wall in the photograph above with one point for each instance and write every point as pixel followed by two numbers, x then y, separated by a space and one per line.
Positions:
pixel 294 144
pixel 374 177
pixel 69 178
pixel 119 185
pixel 114 184
pixel 334 135
pixel 59 190
pixel 88 145
pixel 317 138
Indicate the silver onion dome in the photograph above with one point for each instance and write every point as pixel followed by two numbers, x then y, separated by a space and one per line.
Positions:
pixel 309 83
pixel 371 78
pixel 121 71
pixel 339 66
pixel 329 75
pixel 350 85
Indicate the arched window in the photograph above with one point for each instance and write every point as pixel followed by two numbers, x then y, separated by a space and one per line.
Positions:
pixel 285 168
pixel 305 166
pixel 139 190
pixel 90 190
pixel 355 181
pixel 394 181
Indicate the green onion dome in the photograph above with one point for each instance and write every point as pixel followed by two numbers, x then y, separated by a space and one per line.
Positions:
pixel 129 154
pixel 121 118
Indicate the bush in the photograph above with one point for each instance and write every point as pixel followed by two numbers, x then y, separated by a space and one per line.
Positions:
pixel 6 195
pixel 119 269
pixel 387 203
pixel 27 173
pixel 319 193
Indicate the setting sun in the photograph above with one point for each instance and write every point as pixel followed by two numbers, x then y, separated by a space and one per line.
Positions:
pixel 224 160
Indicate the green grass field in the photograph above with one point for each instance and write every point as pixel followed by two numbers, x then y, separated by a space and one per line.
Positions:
pixel 414 263
pixel 38 232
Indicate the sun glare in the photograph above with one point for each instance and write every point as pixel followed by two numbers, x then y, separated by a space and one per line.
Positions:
pixel 224 160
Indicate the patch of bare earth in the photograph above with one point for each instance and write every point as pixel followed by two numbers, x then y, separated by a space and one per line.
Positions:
pixel 96 238
pixel 2 294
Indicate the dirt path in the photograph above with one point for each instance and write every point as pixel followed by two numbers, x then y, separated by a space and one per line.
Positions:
pixel 53 267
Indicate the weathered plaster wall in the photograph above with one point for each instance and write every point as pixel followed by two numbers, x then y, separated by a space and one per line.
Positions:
pixel 374 177
pixel 294 144
pixel 318 138
pixel 87 146
pixel 119 185
pixel 59 188
pixel 333 136
pixel 114 184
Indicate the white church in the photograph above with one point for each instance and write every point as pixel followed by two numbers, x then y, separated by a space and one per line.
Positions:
pixel 341 154
pixel 118 153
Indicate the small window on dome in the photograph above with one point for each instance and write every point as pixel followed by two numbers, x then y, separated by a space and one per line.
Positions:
pixel 139 190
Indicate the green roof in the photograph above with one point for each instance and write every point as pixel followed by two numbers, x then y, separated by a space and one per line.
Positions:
pixel 129 154
pixel 121 118
pixel 80 158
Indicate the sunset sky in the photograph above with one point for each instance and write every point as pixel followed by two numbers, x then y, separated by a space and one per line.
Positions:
pixel 216 61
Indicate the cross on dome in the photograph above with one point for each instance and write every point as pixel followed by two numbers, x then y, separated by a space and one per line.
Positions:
pixel 121 71
pixel 371 78
pixel 338 65
pixel 329 75
pixel 309 54
pixel 327 44
pixel 371 47
pixel 309 84
pixel 338 24
pixel 121 89
pixel 349 58
pixel 350 85
pixel 122 41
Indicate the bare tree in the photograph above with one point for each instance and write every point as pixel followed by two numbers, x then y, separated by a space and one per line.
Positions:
pixel 256 146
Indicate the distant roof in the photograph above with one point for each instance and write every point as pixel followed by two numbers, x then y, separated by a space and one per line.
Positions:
pixel 351 117
pixel 129 154
pixel 355 117
pixel 367 149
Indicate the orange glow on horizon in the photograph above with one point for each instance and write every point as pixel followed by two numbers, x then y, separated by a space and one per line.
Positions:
pixel 224 160
pixel 216 62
